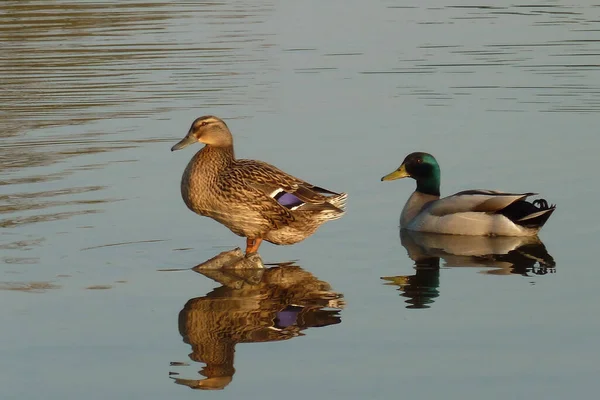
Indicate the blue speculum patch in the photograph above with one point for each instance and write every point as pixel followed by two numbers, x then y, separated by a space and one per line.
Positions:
pixel 286 318
pixel 288 200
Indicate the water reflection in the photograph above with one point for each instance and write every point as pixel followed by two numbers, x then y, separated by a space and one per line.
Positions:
pixel 252 306
pixel 420 289
pixel 524 256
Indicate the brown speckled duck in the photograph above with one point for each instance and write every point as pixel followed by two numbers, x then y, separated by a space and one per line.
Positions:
pixel 253 199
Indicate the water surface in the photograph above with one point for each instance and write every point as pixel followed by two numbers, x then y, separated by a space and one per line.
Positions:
pixel 97 248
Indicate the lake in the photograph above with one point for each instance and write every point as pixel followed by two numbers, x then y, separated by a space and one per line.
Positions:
pixel 101 297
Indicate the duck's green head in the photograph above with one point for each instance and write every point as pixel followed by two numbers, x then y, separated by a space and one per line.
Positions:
pixel 209 130
pixel 423 168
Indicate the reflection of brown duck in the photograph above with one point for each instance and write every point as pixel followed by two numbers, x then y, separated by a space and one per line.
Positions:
pixel 255 305
pixel 507 255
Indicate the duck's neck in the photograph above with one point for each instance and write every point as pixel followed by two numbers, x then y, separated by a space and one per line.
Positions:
pixel 214 159
pixel 428 190
pixel 414 205
pixel 431 184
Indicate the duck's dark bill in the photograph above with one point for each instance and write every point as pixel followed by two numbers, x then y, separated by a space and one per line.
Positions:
pixel 186 141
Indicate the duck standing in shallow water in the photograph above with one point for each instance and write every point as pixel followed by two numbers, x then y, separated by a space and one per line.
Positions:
pixel 472 212
pixel 253 199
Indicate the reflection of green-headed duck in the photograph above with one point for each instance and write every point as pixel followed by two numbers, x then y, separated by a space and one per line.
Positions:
pixel 472 212
pixel 253 199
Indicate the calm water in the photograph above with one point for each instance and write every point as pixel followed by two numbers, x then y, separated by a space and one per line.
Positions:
pixel 97 249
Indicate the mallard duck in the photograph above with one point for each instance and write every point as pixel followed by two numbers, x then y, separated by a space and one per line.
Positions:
pixel 472 212
pixel 253 199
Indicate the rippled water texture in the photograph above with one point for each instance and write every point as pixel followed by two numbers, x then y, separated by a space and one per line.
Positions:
pixel 101 278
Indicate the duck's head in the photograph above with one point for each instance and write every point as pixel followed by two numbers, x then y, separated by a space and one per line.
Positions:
pixel 209 130
pixel 423 168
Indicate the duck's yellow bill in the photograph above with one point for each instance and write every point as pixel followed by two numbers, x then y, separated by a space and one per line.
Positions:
pixel 397 174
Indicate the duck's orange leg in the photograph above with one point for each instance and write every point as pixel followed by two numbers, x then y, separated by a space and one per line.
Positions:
pixel 252 245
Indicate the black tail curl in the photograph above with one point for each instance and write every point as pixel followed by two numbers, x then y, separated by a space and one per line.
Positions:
pixel 542 204
pixel 520 209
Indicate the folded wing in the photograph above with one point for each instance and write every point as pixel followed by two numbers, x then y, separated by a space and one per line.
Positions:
pixel 486 201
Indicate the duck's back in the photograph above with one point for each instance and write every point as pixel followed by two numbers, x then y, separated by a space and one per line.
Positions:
pixel 474 212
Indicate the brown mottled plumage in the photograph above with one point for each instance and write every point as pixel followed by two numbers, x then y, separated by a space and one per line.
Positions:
pixel 273 304
pixel 253 199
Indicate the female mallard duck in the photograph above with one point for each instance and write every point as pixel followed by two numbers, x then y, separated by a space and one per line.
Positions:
pixel 253 199
pixel 472 212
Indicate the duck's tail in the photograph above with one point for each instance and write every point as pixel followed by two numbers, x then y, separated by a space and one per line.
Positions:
pixel 339 202
pixel 529 215
pixel 332 208
pixel 323 205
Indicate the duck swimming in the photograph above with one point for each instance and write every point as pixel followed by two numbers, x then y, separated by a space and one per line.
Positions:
pixel 471 212
pixel 253 199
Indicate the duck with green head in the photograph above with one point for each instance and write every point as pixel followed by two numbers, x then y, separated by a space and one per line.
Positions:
pixel 471 212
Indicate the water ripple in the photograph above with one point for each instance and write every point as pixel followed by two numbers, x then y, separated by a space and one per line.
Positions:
pixel 557 66
pixel 67 64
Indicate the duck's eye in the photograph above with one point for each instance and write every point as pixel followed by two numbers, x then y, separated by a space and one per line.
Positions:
pixel 204 123
pixel 419 160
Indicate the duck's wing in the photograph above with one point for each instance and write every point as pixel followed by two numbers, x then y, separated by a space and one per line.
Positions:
pixel 282 188
pixel 485 201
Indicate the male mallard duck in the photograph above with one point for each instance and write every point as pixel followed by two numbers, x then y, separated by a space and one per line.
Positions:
pixel 472 212
pixel 253 199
